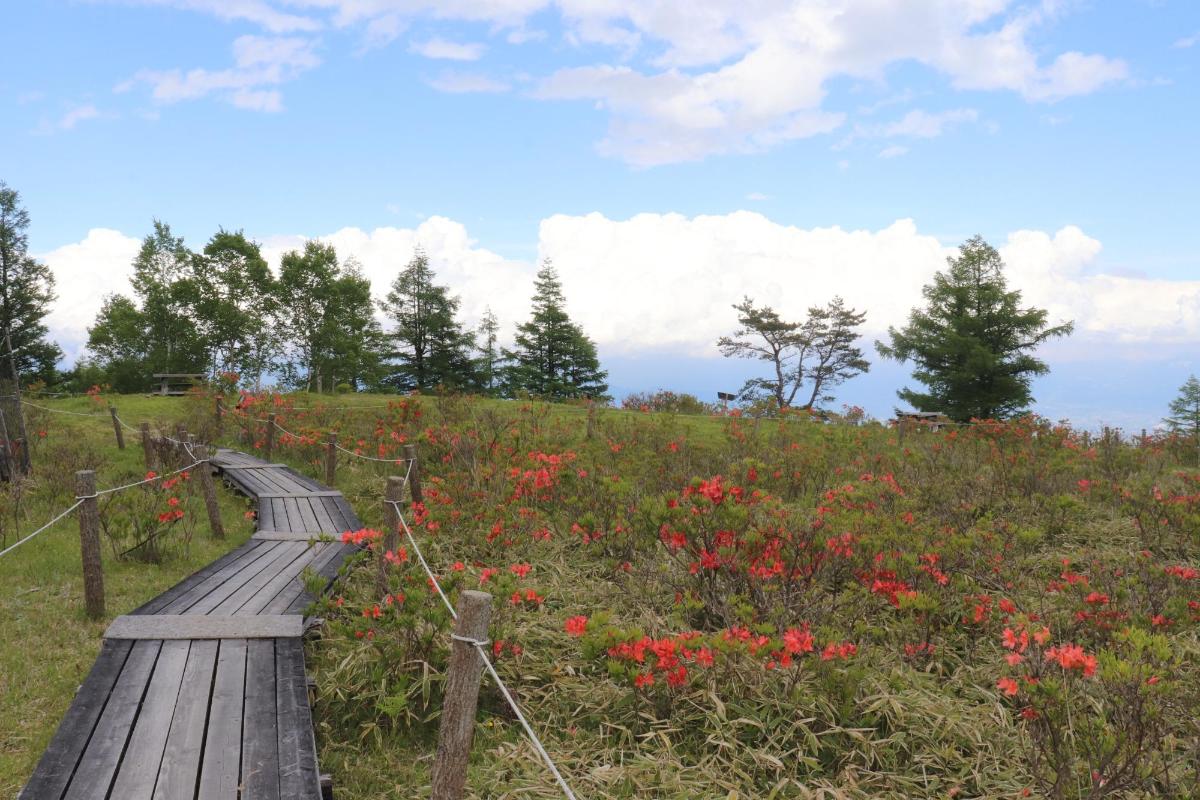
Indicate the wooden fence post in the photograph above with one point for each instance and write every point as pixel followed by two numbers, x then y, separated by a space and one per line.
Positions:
pixel 219 412
pixel 210 493
pixel 330 458
pixel 414 473
pixel 457 727
pixel 269 441
pixel 181 439
pixel 147 445
pixel 591 420
pixel 117 427
pixel 391 522
pixel 89 543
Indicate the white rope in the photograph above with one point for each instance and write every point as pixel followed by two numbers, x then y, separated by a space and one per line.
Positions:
pixel 49 524
pixel 61 411
pixel 487 662
pixel 372 458
pixel 147 480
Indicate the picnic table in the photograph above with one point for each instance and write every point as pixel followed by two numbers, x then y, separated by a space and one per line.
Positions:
pixel 177 383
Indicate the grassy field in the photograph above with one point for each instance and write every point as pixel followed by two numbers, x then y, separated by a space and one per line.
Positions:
pixel 47 644
pixel 729 608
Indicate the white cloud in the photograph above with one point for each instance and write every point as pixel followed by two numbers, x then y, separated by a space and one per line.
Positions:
pixel 84 273
pixel 665 282
pixel 453 82
pixel 77 115
pixel 259 61
pixel 893 151
pixel 684 80
pixel 451 51
pixel 1188 41
pixel 758 197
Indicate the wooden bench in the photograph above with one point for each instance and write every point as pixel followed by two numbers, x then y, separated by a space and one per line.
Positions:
pixel 177 383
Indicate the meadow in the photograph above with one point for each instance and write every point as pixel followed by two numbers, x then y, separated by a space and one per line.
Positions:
pixel 701 606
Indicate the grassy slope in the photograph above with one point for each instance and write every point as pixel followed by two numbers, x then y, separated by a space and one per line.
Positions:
pixel 47 645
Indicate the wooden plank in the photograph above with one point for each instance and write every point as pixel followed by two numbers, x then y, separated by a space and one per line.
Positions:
pixel 159 603
pixel 293 599
pixel 260 735
pixel 324 518
pixel 312 493
pixel 229 579
pixel 57 764
pixel 263 465
pixel 298 775
pixel 352 522
pixel 187 626
pixel 289 553
pixel 307 515
pixel 265 517
pixel 220 769
pixel 280 515
pixel 295 522
pixel 138 772
pixel 295 536
pixel 99 763
pixel 286 578
pixel 185 742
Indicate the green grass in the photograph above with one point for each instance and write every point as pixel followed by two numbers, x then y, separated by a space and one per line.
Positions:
pixel 47 645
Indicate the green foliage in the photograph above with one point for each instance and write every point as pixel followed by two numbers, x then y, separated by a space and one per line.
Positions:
pixel 972 344
pixel 329 333
pixel 552 357
pixel 819 351
pixel 430 346
pixel 26 291
pixel 234 305
pixel 1184 418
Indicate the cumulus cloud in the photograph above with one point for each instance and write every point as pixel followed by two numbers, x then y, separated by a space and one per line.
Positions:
pixel 85 272
pixel 259 62
pixel 665 282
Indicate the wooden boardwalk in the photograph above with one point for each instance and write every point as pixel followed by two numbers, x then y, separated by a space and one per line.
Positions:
pixel 217 705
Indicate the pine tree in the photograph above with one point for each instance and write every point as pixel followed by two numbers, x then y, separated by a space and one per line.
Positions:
pixel 1184 418
pixel 487 362
pixel 819 351
pixel 431 347
pixel 26 291
pixel 552 357
pixel 972 344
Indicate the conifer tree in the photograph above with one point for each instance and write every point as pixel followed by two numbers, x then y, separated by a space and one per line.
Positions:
pixel 552 356
pixel 430 346
pixel 487 362
pixel 972 345
pixel 1184 418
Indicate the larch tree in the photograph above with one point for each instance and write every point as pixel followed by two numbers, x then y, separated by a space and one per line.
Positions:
pixel 487 359
pixel 430 347
pixel 26 291
pixel 552 357
pixel 972 344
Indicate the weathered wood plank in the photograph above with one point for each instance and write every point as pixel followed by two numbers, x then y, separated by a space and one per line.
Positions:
pixel 99 763
pixel 307 515
pixel 286 578
pixel 260 736
pixel 324 518
pixel 306 493
pixel 220 770
pixel 234 559
pixel 289 553
pixel 290 507
pixel 202 597
pixel 185 742
pixel 138 772
pixel 263 465
pixel 298 775
pixel 293 600
pixel 57 764
pixel 294 536
pixel 173 626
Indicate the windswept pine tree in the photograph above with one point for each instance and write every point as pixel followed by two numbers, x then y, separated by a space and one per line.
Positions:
pixel 26 291
pixel 430 347
pixel 552 357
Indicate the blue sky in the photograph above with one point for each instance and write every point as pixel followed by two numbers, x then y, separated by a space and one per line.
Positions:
pixel 668 156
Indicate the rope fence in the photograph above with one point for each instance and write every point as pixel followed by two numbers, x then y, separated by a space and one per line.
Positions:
pixel 480 646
